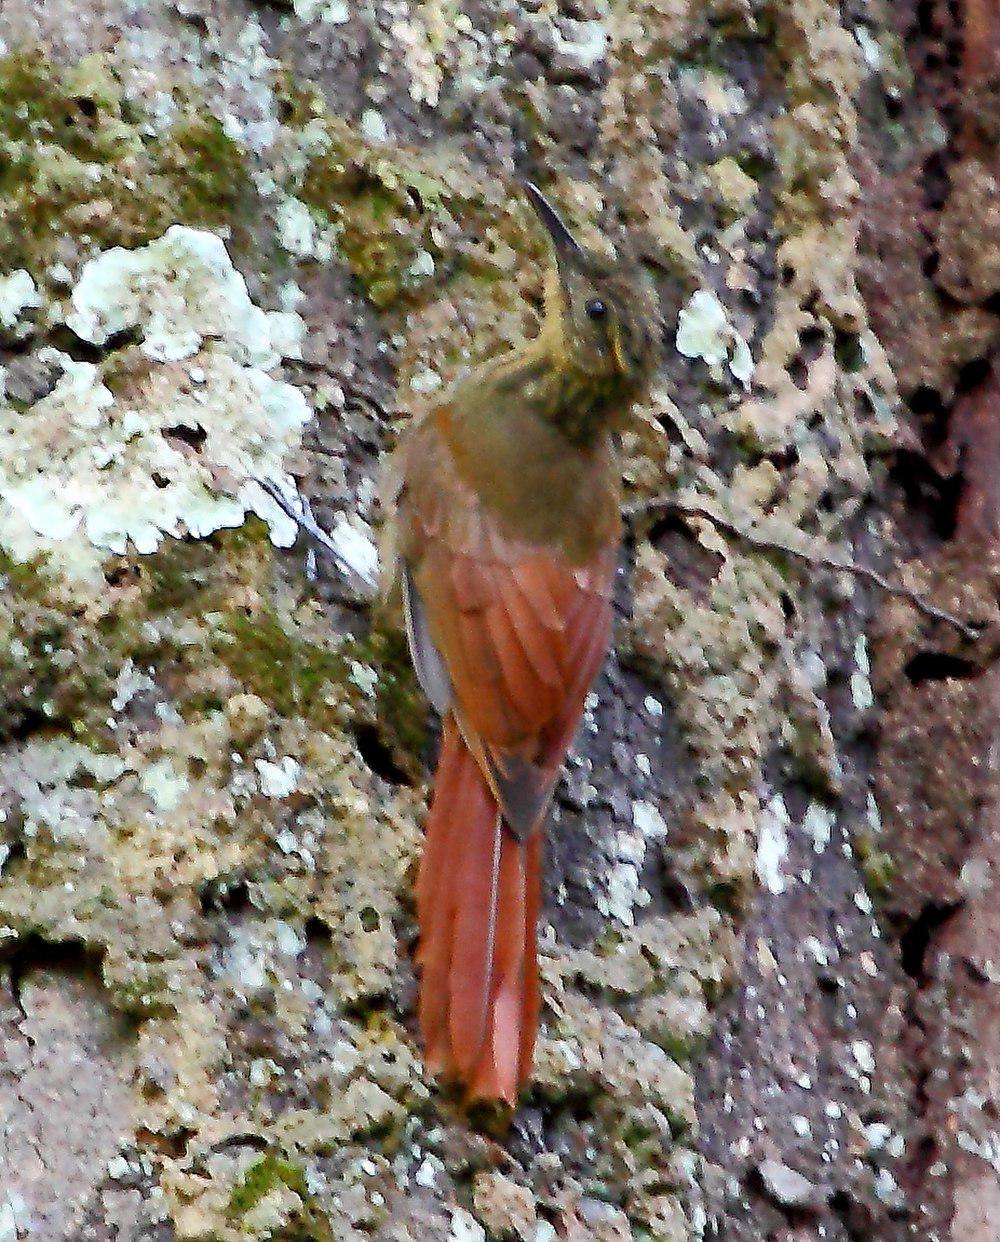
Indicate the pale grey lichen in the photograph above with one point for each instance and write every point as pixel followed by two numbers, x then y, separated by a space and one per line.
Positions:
pixel 179 291
pixel 301 234
pixel 772 845
pixel 861 686
pixel 178 450
pixel 278 780
pixel 586 42
pixel 336 12
pixel 704 331
pixel 17 294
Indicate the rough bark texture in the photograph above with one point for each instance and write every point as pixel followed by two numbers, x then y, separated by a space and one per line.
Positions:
pixel 770 940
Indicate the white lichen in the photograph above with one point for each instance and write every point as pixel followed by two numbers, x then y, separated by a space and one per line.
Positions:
pixel 373 126
pixel 704 331
pixel 772 845
pixel 179 291
pixel 336 12
pixel 818 823
pixel 647 818
pixel 861 1050
pixel 278 780
pixel 585 42
pixel 861 685
pixel 355 549
pixel 300 234
pixel 17 294
pixel 178 449
pixel 164 784
pixel 465 1228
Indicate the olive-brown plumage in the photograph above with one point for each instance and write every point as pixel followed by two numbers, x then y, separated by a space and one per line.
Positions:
pixel 504 541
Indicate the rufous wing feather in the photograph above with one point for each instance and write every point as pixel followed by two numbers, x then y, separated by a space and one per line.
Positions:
pixel 516 633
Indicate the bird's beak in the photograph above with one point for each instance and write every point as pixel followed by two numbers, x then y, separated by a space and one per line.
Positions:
pixel 566 246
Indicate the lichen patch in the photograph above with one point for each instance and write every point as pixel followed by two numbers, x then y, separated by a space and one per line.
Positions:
pixel 166 436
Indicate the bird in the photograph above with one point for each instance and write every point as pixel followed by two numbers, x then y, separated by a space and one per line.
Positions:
pixel 503 540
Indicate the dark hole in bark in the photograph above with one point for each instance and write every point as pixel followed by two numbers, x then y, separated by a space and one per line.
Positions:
pixel 63 339
pixel 689 564
pixel 926 401
pixel 784 459
pixel 33 953
pixel 316 929
pixel 847 349
pixel 799 373
pixel 377 756
pixel 938 666
pixel 194 436
pixel 173 1145
pixel 27 721
pixel 811 342
pixel 915 941
pixel 926 490
pixel 937 181
pixel 974 374
pixel 926 21
pixel 122 574
pixel 225 895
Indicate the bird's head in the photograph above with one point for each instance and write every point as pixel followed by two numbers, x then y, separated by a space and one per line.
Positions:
pixel 602 323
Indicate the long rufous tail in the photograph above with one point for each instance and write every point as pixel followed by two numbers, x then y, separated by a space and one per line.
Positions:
pixel 478 894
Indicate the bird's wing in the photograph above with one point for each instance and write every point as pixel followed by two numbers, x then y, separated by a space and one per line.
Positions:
pixel 510 634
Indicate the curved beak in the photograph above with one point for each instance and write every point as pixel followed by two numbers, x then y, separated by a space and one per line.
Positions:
pixel 565 244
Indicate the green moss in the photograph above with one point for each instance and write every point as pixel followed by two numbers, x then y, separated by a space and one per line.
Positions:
pixel 400 709
pixel 57 672
pixel 54 672
pixel 261 1178
pixel 23 579
pixel 78 111
pixel 680 1047
pixel 385 207
pixel 71 161
pixel 270 654
pixel 298 102
pixel 187 574
pixel 878 867
pixel 210 579
pixel 380 231
pixel 267 1174
pixel 285 671
pixel 208 172
pixel 145 993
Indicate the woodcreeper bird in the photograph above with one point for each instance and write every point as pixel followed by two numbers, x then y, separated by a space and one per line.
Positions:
pixel 504 540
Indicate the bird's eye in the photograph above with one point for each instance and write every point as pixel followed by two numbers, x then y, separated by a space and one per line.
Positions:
pixel 596 310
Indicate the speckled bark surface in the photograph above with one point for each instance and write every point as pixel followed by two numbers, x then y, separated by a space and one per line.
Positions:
pixel 243 240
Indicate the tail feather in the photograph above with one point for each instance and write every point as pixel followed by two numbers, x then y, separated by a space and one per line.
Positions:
pixel 478 895
pixel 532 992
pixel 499 1062
pixel 436 897
pixel 472 976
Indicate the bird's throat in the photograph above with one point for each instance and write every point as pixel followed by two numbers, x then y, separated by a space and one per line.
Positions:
pixel 580 406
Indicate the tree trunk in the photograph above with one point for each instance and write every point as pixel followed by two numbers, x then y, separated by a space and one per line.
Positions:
pixel 247 240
